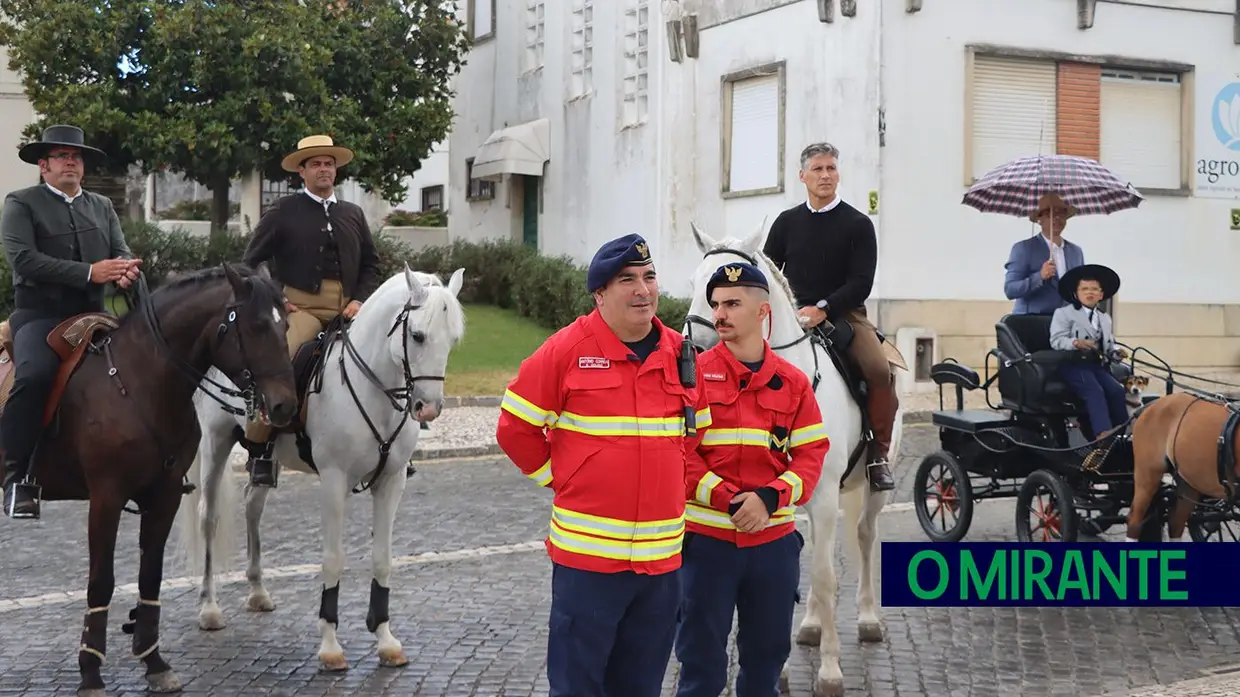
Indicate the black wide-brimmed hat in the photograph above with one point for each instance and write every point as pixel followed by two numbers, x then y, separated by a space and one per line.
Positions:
pixel 1106 277
pixel 57 136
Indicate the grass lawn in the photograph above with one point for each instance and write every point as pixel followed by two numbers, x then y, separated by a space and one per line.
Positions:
pixel 495 343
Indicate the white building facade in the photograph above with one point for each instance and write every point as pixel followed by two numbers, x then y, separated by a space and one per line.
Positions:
pixel 578 121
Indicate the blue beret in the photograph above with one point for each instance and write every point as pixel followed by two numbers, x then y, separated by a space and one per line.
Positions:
pixel 738 274
pixel 630 250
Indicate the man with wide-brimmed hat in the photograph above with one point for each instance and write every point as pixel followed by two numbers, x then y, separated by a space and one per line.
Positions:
pixel 321 249
pixel 63 244
pixel 1036 264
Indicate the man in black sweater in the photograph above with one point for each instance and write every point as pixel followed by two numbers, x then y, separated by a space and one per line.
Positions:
pixel 828 251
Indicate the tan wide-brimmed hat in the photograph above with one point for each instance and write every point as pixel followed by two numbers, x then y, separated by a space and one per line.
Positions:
pixel 312 146
pixel 1051 200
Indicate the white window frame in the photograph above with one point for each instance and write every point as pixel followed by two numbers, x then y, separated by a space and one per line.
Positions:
pixel 533 57
pixel 1036 125
pixel 635 98
pixel 778 71
pixel 473 28
pixel 1154 144
pixel 581 50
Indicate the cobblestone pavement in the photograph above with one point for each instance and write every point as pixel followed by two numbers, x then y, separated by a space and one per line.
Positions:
pixel 470 601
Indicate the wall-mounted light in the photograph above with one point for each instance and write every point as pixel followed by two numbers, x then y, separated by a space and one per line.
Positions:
pixel 911 6
pixel 689 27
pixel 848 8
pixel 673 40
pixel 1085 13
pixel 826 11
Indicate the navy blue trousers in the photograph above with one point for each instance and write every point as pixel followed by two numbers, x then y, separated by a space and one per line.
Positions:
pixel 760 584
pixel 610 634
pixel 1101 392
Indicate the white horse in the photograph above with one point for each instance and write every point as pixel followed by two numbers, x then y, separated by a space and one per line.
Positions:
pixel 842 418
pixel 378 379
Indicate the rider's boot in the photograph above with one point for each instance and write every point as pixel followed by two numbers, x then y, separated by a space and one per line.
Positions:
pixel 879 473
pixel 262 466
pixel 21 495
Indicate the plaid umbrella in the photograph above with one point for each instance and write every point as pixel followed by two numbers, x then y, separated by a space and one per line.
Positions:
pixel 1014 188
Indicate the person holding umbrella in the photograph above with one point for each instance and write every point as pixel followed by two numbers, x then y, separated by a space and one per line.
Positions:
pixel 1036 264
pixel 1080 325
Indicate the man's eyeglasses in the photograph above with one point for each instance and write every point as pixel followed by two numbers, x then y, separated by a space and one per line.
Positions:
pixel 62 156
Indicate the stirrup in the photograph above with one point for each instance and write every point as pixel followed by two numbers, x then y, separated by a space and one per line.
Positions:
pixel 263 468
pixel 21 500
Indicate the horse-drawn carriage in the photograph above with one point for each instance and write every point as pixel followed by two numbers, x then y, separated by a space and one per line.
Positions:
pixel 1064 484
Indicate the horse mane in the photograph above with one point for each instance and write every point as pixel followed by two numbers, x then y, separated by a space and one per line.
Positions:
pixel 264 290
pixel 777 276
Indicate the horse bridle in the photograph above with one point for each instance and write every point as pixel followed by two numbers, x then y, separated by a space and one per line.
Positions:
pixel 691 319
pixel 395 395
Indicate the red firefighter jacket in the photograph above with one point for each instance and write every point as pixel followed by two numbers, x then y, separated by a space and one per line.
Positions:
pixel 607 435
pixel 766 431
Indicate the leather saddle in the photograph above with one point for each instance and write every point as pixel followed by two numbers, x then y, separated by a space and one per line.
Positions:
pixel 71 339
pixel 835 339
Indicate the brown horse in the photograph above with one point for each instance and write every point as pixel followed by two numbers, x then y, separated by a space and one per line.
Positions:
pixel 1179 433
pixel 125 427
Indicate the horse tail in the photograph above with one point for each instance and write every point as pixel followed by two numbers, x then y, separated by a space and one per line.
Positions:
pixel 210 463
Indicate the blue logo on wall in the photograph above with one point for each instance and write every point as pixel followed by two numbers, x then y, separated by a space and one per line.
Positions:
pixel 1226 116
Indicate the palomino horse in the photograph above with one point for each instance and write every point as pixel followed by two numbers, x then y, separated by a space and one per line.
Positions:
pixel 842 475
pixel 1180 433
pixel 124 427
pixel 384 370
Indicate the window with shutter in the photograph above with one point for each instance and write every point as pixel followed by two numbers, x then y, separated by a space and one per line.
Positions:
pixel 481 19
pixel 1013 110
pixel 754 131
pixel 1141 127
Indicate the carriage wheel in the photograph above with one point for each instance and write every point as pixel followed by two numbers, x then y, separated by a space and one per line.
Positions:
pixel 943 497
pixel 1214 531
pixel 1045 510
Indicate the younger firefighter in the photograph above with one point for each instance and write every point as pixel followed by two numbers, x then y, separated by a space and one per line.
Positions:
pixel 598 414
pixel 761 458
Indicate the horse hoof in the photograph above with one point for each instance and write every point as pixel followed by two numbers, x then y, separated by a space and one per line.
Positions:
pixel 392 658
pixel 829 688
pixel 870 632
pixel 166 681
pixel 333 663
pixel 809 636
pixel 211 620
pixel 259 602
pixel 783 682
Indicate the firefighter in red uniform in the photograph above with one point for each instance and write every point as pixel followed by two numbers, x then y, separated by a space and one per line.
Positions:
pixel 599 415
pixel 760 459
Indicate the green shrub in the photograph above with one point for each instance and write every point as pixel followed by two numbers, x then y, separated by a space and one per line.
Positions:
pixel 404 218
pixel 549 290
pixel 191 209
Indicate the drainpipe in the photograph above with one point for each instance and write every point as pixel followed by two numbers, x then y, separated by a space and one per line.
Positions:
pixel 882 185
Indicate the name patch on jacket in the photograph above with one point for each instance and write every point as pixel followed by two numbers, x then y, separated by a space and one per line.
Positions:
pixel 717 377
pixel 593 362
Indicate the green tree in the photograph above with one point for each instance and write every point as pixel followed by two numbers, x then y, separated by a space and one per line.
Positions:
pixel 214 90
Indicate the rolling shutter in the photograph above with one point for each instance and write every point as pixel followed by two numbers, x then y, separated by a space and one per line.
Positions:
pixel 1013 110
pixel 1140 122
pixel 754 140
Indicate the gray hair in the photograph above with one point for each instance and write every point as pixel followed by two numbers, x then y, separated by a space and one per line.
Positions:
pixel 815 149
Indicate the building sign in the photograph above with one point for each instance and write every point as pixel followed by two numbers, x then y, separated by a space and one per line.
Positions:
pixel 1217 166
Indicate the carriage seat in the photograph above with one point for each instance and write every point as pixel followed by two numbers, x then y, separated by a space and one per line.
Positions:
pixel 1028 368
pixel 69 340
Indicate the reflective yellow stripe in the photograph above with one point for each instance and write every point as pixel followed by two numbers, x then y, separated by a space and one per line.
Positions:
pixel 741 436
pixel 701 515
pixel 807 435
pixel 703 418
pixel 542 475
pixel 614 528
pixel 793 480
pixel 525 410
pixel 640 426
pixel 654 550
pixel 706 486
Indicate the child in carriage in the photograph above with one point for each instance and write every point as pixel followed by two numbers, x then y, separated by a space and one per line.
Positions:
pixel 1081 326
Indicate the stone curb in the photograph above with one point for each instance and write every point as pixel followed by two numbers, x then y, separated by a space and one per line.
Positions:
pixel 420 455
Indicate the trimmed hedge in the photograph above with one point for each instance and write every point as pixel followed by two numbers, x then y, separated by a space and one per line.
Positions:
pixel 548 290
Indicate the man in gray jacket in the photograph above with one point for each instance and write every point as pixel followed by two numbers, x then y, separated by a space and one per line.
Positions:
pixel 62 244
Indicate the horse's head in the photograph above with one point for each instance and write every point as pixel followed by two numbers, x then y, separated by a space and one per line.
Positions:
pixel 427 322
pixel 699 323
pixel 250 345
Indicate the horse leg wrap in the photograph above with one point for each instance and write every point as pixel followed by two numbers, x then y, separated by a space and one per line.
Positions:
pixel 328 604
pixel 144 626
pixel 378 613
pixel 92 652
